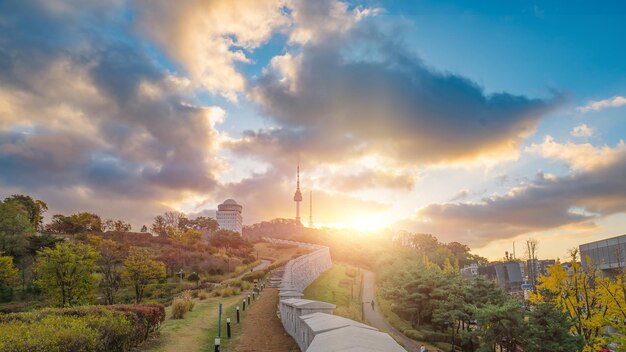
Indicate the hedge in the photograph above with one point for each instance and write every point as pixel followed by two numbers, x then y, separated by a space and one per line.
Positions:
pixel 91 328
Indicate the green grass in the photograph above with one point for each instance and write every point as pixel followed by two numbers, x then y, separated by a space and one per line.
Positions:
pixel 341 285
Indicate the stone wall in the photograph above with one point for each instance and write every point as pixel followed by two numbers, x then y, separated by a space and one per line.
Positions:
pixel 311 323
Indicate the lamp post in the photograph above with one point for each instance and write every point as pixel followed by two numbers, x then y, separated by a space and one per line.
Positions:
pixel 180 274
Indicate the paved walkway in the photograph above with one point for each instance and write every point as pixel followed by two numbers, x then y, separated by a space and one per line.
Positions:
pixel 264 264
pixel 375 318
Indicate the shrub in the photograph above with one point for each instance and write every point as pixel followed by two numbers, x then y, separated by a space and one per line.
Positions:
pixel 179 308
pixel 225 291
pixel 202 295
pixel 89 328
pixel 181 305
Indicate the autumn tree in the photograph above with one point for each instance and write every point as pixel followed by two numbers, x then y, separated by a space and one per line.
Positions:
pixel 74 224
pixel 580 296
pixel 140 269
pixel 66 272
pixel 111 258
pixel 116 225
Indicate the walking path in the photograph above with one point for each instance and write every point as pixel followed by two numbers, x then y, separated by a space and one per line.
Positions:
pixel 262 330
pixel 375 317
pixel 264 264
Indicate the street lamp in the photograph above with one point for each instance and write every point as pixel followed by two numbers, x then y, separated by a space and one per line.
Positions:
pixel 180 274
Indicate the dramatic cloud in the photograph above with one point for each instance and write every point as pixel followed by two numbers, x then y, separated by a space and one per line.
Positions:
pixel 330 103
pixel 614 102
pixel 582 130
pixel 84 112
pixel 208 37
pixel 548 202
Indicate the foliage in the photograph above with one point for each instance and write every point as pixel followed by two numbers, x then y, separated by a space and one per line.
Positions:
pixel 34 208
pixel 93 328
pixel 8 272
pixel 592 302
pixel 140 269
pixel 202 295
pixel 194 278
pixel 66 272
pixel 15 226
pixel 116 225
pixel 74 224
pixel 548 330
pixel 112 256
pixel 230 240
pixel 177 226
pixel 181 305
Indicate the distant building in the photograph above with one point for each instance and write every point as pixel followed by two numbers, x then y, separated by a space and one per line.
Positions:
pixel 607 255
pixel 535 268
pixel 469 271
pixel 229 216
pixel 508 275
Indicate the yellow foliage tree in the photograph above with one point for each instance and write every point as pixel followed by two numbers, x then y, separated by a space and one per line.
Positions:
pixel 593 302
pixel 8 271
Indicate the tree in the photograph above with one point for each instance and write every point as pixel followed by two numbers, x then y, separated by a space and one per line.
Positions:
pixel 500 325
pixel 531 254
pixel 14 229
pixel 140 269
pixel 34 208
pixel 548 330
pixel 74 224
pixel 144 228
pixel 111 258
pixel 580 296
pixel 159 226
pixel 193 277
pixel 66 272
pixel 116 225
pixel 8 278
pixel 8 271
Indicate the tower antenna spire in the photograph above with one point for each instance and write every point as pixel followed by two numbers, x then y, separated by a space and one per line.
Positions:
pixel 297 197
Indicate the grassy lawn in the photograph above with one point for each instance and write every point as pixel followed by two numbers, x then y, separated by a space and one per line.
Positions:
pixel 341 285
pixel 197 331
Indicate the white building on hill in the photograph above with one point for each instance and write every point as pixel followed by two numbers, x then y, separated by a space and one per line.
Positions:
pixel 229 215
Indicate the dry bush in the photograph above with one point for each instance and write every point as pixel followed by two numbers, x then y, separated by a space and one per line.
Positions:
pixel 202 295
pixel 181 305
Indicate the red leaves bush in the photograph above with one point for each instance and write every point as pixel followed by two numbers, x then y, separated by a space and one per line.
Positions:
pixel 145 318
pixel 90 328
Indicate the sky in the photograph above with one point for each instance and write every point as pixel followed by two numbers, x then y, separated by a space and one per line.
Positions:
pixel 482 122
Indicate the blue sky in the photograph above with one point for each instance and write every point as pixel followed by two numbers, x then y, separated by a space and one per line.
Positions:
pixel 483 122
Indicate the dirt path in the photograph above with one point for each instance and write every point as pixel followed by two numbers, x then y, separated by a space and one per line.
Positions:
pixel 375 317
pixel 262 329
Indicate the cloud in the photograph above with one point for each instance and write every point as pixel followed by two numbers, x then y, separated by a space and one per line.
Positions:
pixel 208 38
pixel 613 102
pixel 87 114
pixel 583 157
pixel 369 179
pixel 582 130
pixel 327 104
pixel 313 21
pixel 547 202
pixel 462 194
